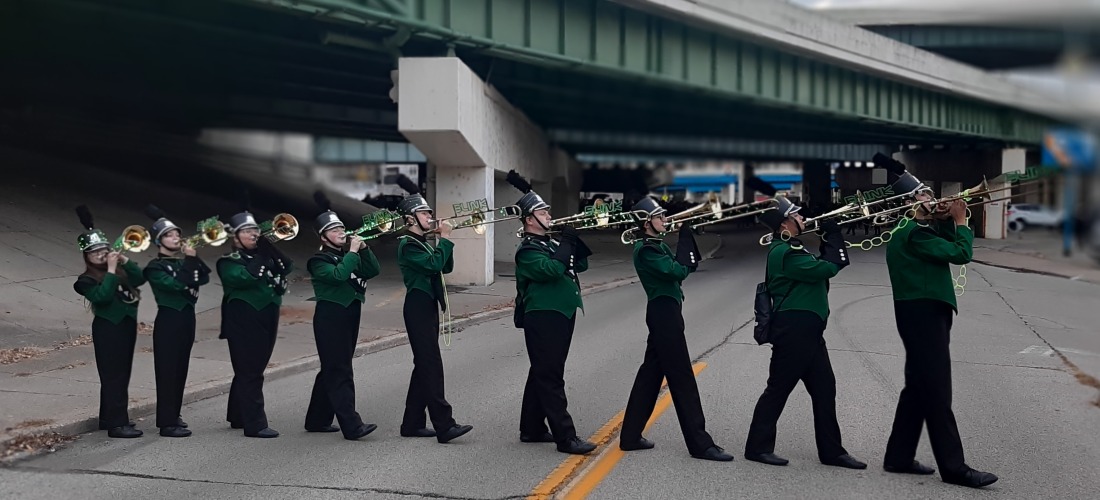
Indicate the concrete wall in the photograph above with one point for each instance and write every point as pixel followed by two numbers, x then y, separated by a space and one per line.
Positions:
pixel 472 136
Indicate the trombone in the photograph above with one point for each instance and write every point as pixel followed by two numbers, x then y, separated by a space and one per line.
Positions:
pixel 383 221
pixel 210 232
pixel 480 220
pixel 282 227
pixel 721 215
pixel 133 239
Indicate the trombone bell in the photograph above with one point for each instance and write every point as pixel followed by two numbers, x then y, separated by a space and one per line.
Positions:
pixel 134 239
pixel 282 227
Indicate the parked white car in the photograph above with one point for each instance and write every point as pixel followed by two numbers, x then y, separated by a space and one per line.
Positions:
pixel 1022 215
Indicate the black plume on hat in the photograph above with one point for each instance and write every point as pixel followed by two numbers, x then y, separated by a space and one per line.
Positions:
pixel 758 184
pixel 85 216
pixel 153 212
pixel 322 201
pixel 407 184
pixel 891 165
pixel 517 181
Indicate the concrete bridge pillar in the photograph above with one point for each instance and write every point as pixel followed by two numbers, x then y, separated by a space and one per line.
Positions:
pixel 748 195
pixel 817 181
pixel 472 136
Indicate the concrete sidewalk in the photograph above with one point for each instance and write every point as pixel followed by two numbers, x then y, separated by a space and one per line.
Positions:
pixel 1037 251
pixel 57 389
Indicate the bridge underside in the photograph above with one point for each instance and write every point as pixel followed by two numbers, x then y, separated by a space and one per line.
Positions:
pixel 312 67
pixel 995 47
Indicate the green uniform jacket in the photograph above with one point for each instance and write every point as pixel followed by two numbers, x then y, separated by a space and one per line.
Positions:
pixel 542 282
pixel 240 284
pixel 175 281
pixel 656 266
pixel 108 297
pixel 342 277
pixel 420 263
pixel 918 256
pixel 795 271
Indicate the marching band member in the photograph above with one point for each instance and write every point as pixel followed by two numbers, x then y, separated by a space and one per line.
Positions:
pixel 548 296
pixel 797 336
pixel 661 272
pixel 175 281
pixel 918 257
pixel 109 284
pixel 339 273
pixel 422 269
pixel 253 280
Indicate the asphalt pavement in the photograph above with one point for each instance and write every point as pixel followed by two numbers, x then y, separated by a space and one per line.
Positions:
pixel 1024 347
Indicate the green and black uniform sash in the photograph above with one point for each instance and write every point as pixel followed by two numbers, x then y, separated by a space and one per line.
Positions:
pixel 542 283
pixel 658 270
pixel 341 277
pixel 251 276
pixel 112 298
pixel 422 266
pixel 919 255
pixel 175 281
pixel 790 264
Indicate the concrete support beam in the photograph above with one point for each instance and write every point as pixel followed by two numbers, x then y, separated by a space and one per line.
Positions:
pixel 748 195
pixel 472 136
pixel 817 183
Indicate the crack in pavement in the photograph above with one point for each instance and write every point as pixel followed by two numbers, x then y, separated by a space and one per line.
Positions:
pixel 1083 378
pixel 390 491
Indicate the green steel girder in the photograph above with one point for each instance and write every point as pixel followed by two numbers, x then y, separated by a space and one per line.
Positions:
pixel 610 41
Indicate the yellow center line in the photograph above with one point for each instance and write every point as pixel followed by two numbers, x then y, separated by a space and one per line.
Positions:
pixel 605 460
pixel 392 296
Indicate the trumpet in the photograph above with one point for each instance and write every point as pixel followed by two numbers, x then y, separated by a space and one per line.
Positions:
pixel 210 232
pixel 383 221
pixel 282 227
pixel 133 239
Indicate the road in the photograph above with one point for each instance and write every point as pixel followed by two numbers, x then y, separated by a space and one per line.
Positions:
pixel 1021 410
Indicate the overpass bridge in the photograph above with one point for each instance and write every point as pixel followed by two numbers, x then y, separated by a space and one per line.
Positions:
pixel 484 86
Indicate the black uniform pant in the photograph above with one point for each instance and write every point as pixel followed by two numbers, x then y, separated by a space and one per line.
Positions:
pixel 798 353
pixel 336 330
pixel 251 335
pixel 925 328
pixel 666 356
pixel 548 335
pixel 426 385
pixel 173 336
pixel 114 359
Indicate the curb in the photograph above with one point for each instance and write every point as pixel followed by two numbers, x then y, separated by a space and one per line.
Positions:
pixel 286 369
pixel 1074 277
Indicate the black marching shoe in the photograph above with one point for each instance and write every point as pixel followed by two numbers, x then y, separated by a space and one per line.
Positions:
pixel 972 479
pixel 327 428
pixel 846 461
pixel 640 444
pixel 174 432
pixel 266 432
pixel 180 423
pixel 236 425
pixel 545 437
pixel 453 432
pixel 914 468
pixel 715 453
pixel 766 458
pixel 124 431
pixel 419 433
pixel 576 446
pixel 363 430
